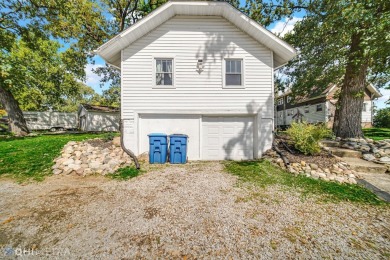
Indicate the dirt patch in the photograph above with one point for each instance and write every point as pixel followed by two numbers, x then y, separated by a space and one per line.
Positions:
pixel 191 211
pixel 323 159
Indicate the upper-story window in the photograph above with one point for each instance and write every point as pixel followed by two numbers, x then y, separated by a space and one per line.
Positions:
pixel 364 107
pixel 280 101
pixel 289 99
pixel 164 72
pixel 233 72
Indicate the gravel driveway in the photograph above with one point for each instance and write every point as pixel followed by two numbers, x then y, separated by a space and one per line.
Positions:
pixel 186 212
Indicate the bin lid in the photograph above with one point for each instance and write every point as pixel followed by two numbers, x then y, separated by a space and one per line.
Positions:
pixel 178 135
pixel 157 134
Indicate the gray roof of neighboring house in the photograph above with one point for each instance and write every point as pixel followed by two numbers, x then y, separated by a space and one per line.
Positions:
pixel 97 108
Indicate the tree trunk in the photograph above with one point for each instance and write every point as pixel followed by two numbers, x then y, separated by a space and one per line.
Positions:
pixel 15 115
pixel 350 103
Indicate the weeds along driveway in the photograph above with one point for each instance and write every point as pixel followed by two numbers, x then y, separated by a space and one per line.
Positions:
pixel 192 211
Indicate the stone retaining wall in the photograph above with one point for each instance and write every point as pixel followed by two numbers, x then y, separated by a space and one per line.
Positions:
pixel 90 157
pixel 339 172
pixel 376 151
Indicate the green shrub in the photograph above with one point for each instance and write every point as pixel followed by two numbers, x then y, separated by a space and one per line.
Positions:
pixel 306 136
pixel 382 118
pixel 108 136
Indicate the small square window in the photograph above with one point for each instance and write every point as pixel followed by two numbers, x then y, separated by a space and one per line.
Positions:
pixel 233 75
pixel 364 107
pixel 319 107
pixel 164 72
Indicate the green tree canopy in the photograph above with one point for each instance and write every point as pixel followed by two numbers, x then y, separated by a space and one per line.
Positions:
pixel 342 42
pixel 34 70
pixel 382 118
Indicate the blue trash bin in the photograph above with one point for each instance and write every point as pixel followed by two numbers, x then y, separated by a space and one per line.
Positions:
pixel 158 147
pixel 178 148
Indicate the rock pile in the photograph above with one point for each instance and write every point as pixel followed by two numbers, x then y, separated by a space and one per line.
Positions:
pixel 377 151
pixel 89 157
pixel 339 172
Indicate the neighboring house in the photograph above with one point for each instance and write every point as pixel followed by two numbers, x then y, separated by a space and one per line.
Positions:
pixel 50 120
pixel 319 106
pixel 98 118
pixel 198 68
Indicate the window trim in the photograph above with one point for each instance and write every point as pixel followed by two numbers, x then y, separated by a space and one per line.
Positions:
pixel 154 72
pixel 364 108
pixel 242 73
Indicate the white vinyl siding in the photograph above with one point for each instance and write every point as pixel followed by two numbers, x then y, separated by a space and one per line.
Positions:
pixel 313 116
pixel 102 122
pixel 367 114
pixel 189 39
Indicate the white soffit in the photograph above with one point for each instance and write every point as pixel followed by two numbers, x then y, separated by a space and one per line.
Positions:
pixel 111 50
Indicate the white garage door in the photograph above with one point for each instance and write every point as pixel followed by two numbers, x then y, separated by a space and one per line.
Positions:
pixel 227 138
pixel 171 124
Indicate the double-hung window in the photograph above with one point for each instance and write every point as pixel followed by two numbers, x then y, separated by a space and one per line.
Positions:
pixel 233 72
pixel 364 107
pixel 164 72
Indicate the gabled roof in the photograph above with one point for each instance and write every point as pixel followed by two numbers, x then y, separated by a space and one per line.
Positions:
pixel 374 91
pixel 111 50
pixel 97 108
pixel 318 92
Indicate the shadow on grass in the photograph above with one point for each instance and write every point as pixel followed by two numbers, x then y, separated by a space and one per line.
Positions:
pixel 264 174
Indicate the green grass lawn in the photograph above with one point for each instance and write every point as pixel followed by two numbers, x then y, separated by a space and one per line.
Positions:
pixel 32 157
pixel 377 133
pixel 264 174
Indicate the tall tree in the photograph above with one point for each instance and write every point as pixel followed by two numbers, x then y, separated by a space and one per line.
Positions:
pixel 342 42
pixel 29 29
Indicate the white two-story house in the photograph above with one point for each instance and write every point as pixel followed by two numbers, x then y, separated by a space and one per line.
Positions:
pixel 198 68
pixel 320 107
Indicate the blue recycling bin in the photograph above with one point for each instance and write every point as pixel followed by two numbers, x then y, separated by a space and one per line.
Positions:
pixel 178 148
pixel 158 148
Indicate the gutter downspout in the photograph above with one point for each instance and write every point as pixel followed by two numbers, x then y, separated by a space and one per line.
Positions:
pixel 129 152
